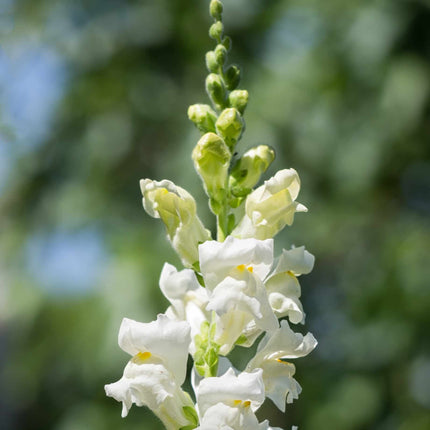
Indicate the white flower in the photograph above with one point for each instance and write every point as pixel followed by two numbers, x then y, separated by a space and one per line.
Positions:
pixel 221 259
pixel 282 285
pixel 233 271
pixel 156 370
pixel 147 382
pixel 177 208
pixel 271 207
pixel 187 297
pixel 230 401
pixel 223 417
pixel 281 344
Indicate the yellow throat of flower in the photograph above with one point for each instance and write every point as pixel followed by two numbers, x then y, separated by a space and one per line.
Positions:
pixel 242 268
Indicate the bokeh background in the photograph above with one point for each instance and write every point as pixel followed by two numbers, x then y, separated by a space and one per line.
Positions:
pixel 93 97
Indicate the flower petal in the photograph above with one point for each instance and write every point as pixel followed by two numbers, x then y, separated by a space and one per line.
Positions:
pixel 231 390
pixel 163 338
pixel 219 259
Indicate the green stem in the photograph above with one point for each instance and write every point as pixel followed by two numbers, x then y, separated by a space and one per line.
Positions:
pixel 222 226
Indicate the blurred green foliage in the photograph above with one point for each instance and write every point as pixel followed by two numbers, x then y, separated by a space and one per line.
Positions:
pixel 94 96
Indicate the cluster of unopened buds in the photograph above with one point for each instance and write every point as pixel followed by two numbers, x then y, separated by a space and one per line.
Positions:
pixel 232 290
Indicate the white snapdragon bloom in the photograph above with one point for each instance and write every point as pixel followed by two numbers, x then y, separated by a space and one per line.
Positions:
pixel 187 297
pixel 223 417
pixel 283 287
pixel 177 208
pixel 156 370
pixel 230 401
pixel 270 207
pixel 281 344
pixel 233 271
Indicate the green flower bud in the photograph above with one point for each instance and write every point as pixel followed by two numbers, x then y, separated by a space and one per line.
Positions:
pixel 216 30
pixel 215 9
pixel 211 62
pixel 227 43
pixel 215 89
pixel 230 125
pixel 211 158
pixel 232 77
pixel 220 54
pixel 203 116
pixel 249 168
pixel 239 100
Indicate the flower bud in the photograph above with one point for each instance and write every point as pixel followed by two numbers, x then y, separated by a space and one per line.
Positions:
pixel 211 62
pixel 177 208
pixel 215 9
pixel 239 100
pixel 227 43
pixel 215 89
pixel 211 158
pixel 232 77
pixel 249 168
pixel 216 31
pixel 203 116
pixel 220 54
pixel 230 125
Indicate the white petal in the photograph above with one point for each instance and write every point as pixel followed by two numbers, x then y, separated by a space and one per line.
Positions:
pixel 229 389
pixel 188 298
pixel 283 343
pixel 144 385
pixel 283 290
pixel 174 284
pixel 270 207
pixel 279 383
pixel 218 259
pixel 163 338
pixel 296 260
pixel 247 295
pixel 223 417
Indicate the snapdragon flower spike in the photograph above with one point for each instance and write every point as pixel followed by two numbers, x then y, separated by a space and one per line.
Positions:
pixel 276 346
pixel 177 208
pixel 271 207
pixel 187 297
pixel 156 370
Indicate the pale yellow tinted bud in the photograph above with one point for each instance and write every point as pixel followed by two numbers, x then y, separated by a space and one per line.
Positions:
pixel 177 209
pixel 271 207
pixel 211 158
pixel 230 125
pixel 249 168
